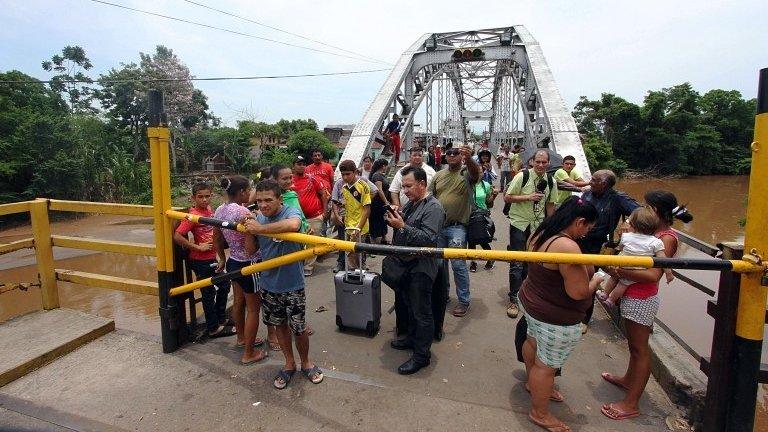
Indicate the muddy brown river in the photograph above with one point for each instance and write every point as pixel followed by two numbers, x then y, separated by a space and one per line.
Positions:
pixel 717 203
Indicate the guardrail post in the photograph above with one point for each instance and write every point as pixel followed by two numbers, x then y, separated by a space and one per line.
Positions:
pixel 719 367
pixel 159 138
pixel 750 319
pixel 41 229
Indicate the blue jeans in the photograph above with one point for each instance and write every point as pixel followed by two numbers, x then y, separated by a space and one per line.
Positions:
pixel 214 297
pixel 455 236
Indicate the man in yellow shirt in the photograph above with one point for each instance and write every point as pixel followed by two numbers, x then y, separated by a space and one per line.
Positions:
pixel 357 206
pixel 569 175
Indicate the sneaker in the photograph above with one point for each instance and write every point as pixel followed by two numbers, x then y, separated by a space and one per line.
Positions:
pixel 473 267
pixel 460 310
pixel 512 310
pixel 489 265
pixel 307 272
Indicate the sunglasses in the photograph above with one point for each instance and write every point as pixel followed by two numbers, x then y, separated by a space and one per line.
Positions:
pixel 452 153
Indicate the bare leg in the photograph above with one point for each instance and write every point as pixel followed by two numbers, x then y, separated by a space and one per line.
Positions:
pixel 238 312
pixel 253 305
pixel 639 369
pixel 284 337
pixel 617 293
pixel 302 346
pixel 541 380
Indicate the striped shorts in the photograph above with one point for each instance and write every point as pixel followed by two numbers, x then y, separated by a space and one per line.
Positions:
pixel 641 311
pixel 554 343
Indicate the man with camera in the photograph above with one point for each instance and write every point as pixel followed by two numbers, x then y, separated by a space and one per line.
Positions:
pixel 417 225
pixel 531 195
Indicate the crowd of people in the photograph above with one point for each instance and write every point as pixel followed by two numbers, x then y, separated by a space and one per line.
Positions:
pixel 429 203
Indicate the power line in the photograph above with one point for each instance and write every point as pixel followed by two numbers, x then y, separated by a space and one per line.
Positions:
pixel 151 80
pixel 230 31
pixel 285 31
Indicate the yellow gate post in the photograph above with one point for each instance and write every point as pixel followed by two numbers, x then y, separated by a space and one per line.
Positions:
pixel 38 212
pixel 750 318
pixel 159 140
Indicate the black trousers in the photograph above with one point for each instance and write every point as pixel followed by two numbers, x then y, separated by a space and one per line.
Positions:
pixel 518 271
pixel 439 300
pixel 417 294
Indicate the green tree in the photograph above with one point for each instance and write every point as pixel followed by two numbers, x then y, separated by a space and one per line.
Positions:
pixel 600 156
pixel 302 142
pixel 69 66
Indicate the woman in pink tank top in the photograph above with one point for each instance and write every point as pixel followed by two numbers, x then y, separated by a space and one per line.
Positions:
pixel 638 310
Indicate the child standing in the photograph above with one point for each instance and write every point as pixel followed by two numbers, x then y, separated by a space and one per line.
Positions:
pixel 639 240
pixel 202 260
pixel 357 207
pixel 242 253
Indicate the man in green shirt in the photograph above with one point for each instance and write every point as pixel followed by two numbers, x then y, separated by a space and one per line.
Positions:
pixel 531 196
pixel 450 187
pixel 567 174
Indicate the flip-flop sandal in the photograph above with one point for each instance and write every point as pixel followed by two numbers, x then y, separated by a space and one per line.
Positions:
pixel 315 372
pixel 556 396
pixel 551 427
pixel 256 359
pixel 224 332
pixel 283 378
pixel 614 413
pixel 256 343
pixel 613 380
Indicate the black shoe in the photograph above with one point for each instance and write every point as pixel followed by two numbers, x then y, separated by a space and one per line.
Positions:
pixel 400 344
pixel 411 366
pixel 473 267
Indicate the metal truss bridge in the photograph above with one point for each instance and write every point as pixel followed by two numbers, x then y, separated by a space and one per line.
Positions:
pixel 444 81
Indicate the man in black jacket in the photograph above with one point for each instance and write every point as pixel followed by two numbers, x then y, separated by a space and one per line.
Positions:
pixel 418 225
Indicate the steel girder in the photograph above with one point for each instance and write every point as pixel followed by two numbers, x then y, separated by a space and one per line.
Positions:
pixel 511 80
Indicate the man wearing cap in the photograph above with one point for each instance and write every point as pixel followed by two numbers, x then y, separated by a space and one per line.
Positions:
pixel 416 160
pixel 313 199
pixel 453 186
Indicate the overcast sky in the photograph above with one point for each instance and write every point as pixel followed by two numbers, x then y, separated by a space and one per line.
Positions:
pixel 592 47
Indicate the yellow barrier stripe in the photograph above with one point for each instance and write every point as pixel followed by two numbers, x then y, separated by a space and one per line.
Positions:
pixel 12 208
pixel 109 282
pixel 253 268
pixel 100 207
pixel 738 266
pixel 127 248
pixel 16 245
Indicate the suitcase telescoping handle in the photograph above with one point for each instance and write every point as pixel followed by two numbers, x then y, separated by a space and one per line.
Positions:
pixel 356 275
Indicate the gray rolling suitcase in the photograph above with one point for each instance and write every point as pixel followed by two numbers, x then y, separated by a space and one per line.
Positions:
pixel 358 300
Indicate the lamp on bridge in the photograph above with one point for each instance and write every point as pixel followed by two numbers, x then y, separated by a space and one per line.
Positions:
pixel 430 44
pixel 506 38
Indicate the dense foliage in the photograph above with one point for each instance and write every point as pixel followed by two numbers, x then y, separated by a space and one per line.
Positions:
pixel 86 140
pixel 675 131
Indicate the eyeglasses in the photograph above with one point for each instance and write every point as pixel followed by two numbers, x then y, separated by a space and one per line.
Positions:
pixel 452 153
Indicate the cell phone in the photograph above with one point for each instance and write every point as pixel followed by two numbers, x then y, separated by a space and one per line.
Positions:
pixel 389 209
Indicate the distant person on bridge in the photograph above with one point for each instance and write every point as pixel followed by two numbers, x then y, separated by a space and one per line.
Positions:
pixel 417 225
pixel 639 307
pixel 313 199
pixel 553 299
pixel 398 197
pixel 568 174
pixel 243 252
pixel 452 186
pixel 612 205
pixel 531 196
pixel 202 260
pixel 283 295
pixel 392 131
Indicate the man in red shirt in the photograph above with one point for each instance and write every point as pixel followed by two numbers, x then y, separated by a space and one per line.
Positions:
pixel 320 170
pixel 202 260
pixel 313 199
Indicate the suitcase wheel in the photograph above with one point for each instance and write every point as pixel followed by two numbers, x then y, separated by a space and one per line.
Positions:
pixel 339 323
pixel 371 329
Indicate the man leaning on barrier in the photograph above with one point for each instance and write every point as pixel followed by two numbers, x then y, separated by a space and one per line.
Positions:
pixel 283 298
pixel 418 225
